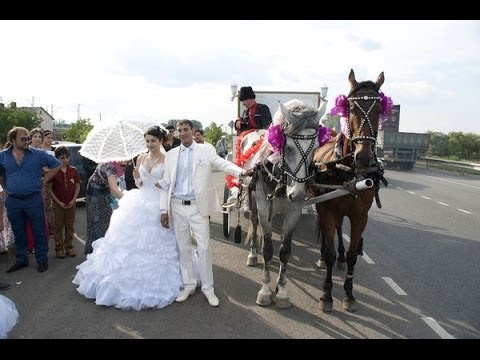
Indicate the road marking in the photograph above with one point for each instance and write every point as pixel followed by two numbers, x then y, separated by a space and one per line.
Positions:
pixel 442 203
pixel 411 192
pixel 464 211
pixel 365 257
pixel 426 198
pixel 398 187
pixel 132 333
pixel 394 286
pixel 454 182
pixel 437 328
pixel 79 238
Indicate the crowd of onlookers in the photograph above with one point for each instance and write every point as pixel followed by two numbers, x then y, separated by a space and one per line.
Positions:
pixel 52 184
pixel 43 139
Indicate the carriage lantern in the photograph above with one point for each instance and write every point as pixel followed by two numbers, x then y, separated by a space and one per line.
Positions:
pixel 233 88
pixel 324 91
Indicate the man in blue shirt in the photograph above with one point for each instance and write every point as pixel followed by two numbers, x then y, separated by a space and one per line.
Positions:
pixel 21 170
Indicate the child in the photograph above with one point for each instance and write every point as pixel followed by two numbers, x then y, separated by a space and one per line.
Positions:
pixel 63 189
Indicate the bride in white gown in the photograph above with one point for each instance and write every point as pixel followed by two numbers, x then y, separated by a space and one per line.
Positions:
pixel 8 316
pixel 135 266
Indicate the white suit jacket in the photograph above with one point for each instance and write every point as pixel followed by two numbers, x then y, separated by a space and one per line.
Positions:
pixel 204 159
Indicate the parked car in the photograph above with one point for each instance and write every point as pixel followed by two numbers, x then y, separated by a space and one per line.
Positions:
pixel 76 160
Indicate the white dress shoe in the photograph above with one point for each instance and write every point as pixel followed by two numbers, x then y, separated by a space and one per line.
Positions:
pixel 212 299
pixel 185 294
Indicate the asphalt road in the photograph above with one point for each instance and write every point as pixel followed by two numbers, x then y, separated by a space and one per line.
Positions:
pixel 417 279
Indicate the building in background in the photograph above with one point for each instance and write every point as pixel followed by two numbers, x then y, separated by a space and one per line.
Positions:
pixel 47 120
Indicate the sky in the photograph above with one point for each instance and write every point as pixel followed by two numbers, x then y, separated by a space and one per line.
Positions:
pixel 171 69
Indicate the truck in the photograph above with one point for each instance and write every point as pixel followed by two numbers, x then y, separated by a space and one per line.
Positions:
pixel 400 149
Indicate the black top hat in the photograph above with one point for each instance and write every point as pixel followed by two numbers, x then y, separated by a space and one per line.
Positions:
pixel 245 93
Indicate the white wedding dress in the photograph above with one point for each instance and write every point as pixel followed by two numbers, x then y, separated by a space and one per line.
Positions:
pixel 8 316
pixel 135 266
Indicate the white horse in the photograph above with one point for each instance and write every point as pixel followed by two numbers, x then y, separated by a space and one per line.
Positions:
pixel 279 187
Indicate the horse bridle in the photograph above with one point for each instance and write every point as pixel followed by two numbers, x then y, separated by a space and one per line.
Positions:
pixel 365 120
pixel 304 162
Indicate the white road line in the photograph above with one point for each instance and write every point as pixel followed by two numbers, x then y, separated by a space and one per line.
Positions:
pixel 398 187
pixel 437 328
pixel 79 238
pixel 454 182
pixel 411 192
pixel 394 286
pixel 365 257
pixel 442 203
pixel 464 211
pixel 426 198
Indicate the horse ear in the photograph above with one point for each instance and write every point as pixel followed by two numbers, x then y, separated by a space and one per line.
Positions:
pixel 351 78
pixel 380 80
pixel 285 112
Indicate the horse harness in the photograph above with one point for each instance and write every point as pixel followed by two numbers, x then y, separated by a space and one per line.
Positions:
pixel 365 120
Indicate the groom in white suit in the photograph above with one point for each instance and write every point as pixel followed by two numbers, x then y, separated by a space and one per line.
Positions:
pixel 189 200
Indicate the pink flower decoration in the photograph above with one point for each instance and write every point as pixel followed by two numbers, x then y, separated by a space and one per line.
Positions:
pixel 387 104
pixel 340 106
pixel 276 138
pixel 323 134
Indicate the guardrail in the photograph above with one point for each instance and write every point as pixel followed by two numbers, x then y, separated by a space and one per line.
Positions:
pixel 456 164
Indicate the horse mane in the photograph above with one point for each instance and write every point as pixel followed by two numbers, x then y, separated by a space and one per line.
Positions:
pixel 364 85
pixel 303 115
pixel 304 118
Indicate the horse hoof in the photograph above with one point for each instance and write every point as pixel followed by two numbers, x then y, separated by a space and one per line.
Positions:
pixel 341 265
pixel 326 306
pixel 252 260
pixel 349 305
pixel 282 303
pixel 263 300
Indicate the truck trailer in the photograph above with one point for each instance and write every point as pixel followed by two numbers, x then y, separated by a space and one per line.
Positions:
pixel 400 149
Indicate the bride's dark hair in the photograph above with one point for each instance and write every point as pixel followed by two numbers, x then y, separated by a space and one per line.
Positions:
pixel 156 131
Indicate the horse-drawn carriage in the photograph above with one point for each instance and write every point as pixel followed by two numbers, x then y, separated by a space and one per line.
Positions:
pixel 233 206
pixel 296 165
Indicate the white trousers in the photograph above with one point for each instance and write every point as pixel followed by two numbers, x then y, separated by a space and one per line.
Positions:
pixel 187 218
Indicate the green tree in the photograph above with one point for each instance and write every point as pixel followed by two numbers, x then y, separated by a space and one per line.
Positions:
pixel 455 145
pixel 471 146
pixel 213 133
pixel 438 144
pixel 12 116
pixel 78 131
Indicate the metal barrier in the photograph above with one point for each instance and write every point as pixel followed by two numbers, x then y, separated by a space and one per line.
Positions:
pixel 457 164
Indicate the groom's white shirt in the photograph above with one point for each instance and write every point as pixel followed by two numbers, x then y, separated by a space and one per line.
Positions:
pixel 204 159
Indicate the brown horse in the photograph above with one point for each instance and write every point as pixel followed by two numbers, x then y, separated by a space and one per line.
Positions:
pixel 359 161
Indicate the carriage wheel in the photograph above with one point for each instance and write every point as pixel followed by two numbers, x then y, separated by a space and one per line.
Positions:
pixel 226 213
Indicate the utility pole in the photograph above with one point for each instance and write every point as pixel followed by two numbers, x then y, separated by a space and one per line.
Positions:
pixel 100 120
pixel 78 111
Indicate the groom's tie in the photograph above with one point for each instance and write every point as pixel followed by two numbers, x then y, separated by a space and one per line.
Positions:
pixel 187 170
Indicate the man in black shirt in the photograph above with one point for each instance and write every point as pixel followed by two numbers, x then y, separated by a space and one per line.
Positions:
pixel 255 116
